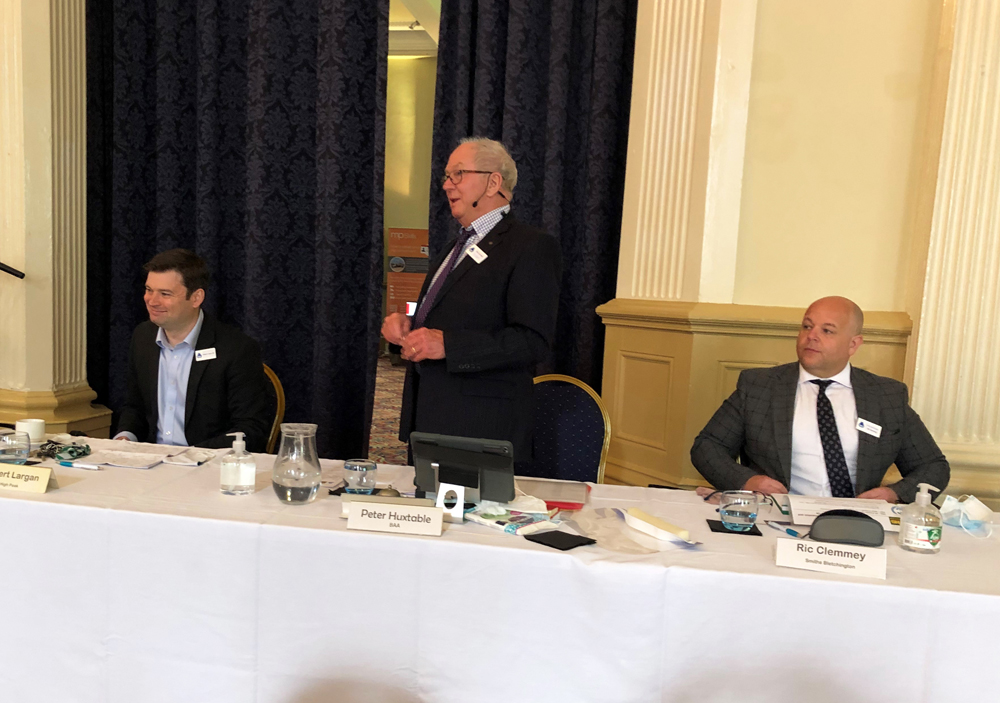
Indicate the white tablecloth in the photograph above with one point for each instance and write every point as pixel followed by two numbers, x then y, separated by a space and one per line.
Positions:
pixel 129 585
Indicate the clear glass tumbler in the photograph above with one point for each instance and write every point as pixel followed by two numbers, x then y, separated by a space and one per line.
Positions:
pixel 14 446
pixel 738 510
pixel 296 473
pixel 359 475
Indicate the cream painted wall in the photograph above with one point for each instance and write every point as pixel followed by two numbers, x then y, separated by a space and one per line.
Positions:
pixel 838 94
pixel 409 122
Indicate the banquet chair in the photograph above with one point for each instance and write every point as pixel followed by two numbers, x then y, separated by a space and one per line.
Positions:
pixel 572 430
pixel 279 408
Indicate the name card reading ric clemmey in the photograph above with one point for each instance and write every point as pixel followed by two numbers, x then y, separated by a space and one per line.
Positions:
pixel 24 478
pixel 401 519
pixel 831 558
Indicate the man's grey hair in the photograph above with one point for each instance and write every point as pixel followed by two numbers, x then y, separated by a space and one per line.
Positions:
pixel 492 156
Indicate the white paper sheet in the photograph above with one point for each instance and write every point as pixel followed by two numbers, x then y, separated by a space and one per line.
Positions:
pixel 125 460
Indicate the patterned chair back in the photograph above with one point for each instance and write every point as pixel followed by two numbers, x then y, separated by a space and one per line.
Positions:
pixel 572 430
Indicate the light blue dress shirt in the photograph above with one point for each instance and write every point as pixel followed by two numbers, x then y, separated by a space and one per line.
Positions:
pixel 171 386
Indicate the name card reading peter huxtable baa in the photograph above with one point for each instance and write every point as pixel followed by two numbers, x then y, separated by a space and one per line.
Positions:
pixel 401 519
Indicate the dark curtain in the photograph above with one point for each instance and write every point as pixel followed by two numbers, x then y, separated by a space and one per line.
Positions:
pixel 552 80
pixel 252 132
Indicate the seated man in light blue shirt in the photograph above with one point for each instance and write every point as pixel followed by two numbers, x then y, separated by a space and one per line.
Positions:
pixel 191 378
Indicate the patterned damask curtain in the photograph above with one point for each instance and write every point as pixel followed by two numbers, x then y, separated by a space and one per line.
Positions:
pixel 551 79
pixel 252 132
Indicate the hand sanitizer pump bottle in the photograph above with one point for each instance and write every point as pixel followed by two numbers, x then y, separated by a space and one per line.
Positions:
pixel 920 523
pixel 239 470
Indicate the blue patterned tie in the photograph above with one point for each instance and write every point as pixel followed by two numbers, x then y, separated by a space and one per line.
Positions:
pixel 428 302
pixel 833 452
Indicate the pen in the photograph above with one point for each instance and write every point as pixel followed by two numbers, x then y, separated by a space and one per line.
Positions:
pixel 786 530
pixel 80 465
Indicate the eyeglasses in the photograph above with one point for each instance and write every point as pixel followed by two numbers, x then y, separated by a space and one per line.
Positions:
pixel 456 176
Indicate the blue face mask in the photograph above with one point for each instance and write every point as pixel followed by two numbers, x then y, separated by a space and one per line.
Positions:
pixel 968 513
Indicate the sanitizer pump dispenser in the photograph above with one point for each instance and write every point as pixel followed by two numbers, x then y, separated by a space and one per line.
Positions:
pixel 920 523
pixel 239 470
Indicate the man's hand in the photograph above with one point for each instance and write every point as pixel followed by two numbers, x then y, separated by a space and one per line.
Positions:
pixel 881 493
pixel 765 485
pixel 395 327
pixel 423 344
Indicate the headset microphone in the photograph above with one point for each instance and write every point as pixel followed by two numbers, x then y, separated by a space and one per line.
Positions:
pixel 475 203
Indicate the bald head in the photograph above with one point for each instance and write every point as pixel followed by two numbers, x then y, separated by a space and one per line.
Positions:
pixel 829 336
pixel 844 307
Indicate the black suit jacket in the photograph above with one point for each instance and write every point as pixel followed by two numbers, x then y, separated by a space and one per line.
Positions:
pixel 499 322
pixel 755 423
pixel 224 394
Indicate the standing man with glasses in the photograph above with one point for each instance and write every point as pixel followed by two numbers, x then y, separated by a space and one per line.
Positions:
pixel 486 314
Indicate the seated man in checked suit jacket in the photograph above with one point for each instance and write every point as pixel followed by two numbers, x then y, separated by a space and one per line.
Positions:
pixel 820 427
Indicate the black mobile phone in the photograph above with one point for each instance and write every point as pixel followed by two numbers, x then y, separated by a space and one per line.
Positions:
pixel 559 540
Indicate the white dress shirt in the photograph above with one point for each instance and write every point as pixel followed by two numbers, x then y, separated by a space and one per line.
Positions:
pixel 809 475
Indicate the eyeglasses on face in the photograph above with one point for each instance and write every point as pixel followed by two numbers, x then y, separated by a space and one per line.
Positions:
pixel 456 176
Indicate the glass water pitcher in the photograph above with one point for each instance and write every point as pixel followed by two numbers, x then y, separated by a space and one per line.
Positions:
pixel 296 474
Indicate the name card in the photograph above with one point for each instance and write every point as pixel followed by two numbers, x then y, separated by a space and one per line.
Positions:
pixel 31 479
pixel 831 558
pixel 350 499
pixel 401 519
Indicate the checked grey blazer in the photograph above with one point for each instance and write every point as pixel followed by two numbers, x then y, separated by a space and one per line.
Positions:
pixel 755 423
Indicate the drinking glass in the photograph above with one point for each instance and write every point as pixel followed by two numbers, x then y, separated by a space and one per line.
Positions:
pixel 359 474
pixel 14 446
pixel 738 510
pixel 296 474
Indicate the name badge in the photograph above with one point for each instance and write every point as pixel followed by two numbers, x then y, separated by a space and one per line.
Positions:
pixel 869 427
pixel 204 354
pixel 30 479
pixel 831 558
pixel 477 254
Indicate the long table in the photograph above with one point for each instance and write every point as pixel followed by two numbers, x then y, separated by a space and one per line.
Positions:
pixel 129 585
